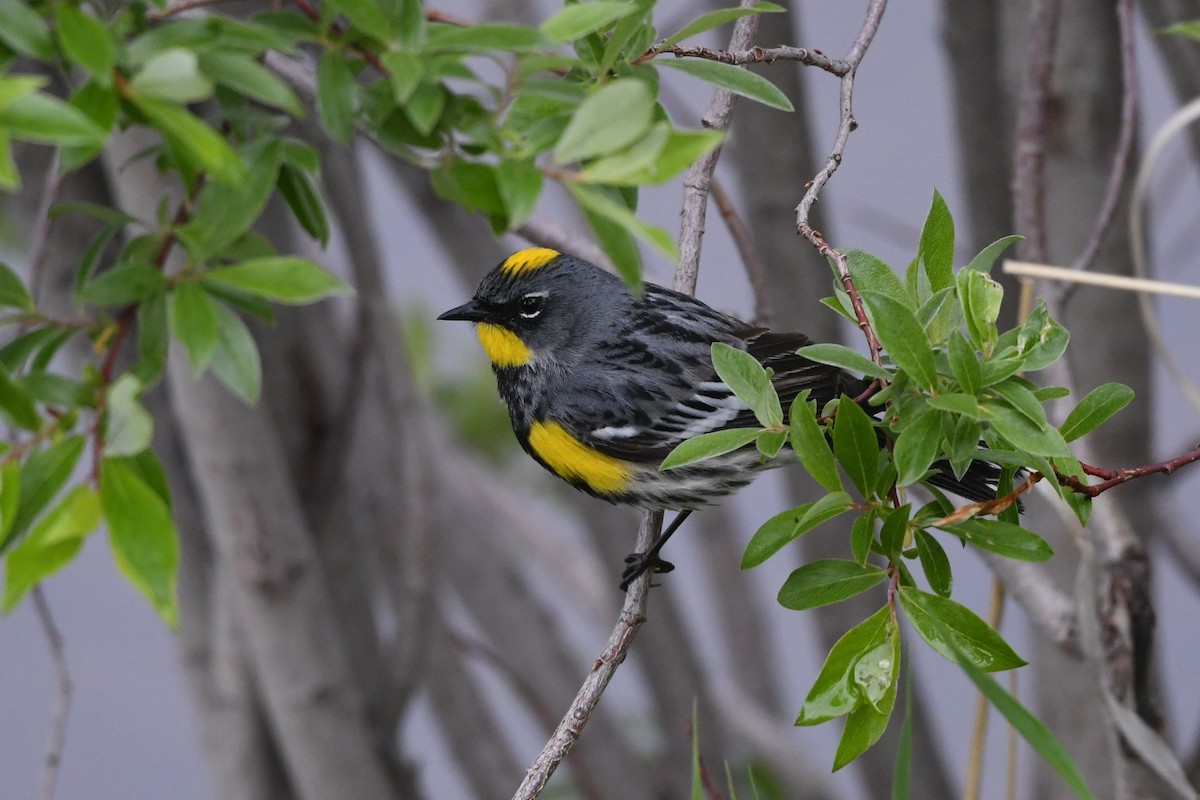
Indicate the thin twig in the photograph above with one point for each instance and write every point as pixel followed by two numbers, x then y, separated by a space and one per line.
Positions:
pixel 846 125
pixel 993 506
pixel 52 188
pixel 754 55
pixel 62 704
pixel 1032 116
pixel 1126 141
pixel 633 614
pixel 1125 475
pixel 744 243
pixel 314 14
pixel 698 180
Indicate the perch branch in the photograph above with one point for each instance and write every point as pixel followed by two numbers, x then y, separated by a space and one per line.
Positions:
pixel 62 705
pixel 753 55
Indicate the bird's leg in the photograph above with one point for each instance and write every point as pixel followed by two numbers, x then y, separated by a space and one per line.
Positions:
pixel 637 563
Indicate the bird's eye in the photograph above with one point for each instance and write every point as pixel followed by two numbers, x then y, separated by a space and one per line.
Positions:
pixel 530 305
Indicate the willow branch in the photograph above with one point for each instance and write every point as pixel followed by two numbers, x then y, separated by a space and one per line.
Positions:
pixel 1117 477
pixel 744 243
pixel 62 704
pixel 1032 119
pixel 754 55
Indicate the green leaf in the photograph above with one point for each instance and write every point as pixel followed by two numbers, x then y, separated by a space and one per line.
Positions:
pixel 86 41
pixel 837 355
pixel 598 203
pixel 833 693
pixel 365 15
pixel 10 500
pixel 1040 738
pixel 936 249
pixel 980 296
pixel 1041 339
pixel 770 442
pixel 193 320
pixel 872 275
pixel 284 279
pixel 787 526
pixel 708 445
pixel 856 445
pixel 425 106
pixel 470 184
pixel 51 545
pixel 305 203
pixel 875 673
pixel 892 532
pixel 616 240
pixel 24 30
pixel 964 363
pixel 1095 408
pixel 124 284
pixel 607 121
pixel 827 581
pixel 13 293
pixel 244 75
pixel 129 426
pixel 731 78
pixel 952 629
pixel 336 96
pixel 964 405
pixel 10 176
pixel 173 75
pixel 1189 29
pixel 193 139
pixel 1003 538
pixel 916 447
pixel 43 475
pixel 405 71
pixel 749 381
pixel 14 87
pixel 988 255
pixel 482 38
pixel 862 536
pixel 576 21
pixel 627 165
pixel 235 359
pixel 715 19
pixel 520 185
pixel 681 150
pixel 903 337
pixel 142 535
pixel 1022 433
pixel 38 117
pixel 16 404
pixel 811 445
pixel 935 563
pixel 225 211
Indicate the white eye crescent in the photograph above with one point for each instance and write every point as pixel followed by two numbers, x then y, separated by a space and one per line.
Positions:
pixel 530 305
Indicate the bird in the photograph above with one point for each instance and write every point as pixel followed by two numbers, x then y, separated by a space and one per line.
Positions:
pixel 601 383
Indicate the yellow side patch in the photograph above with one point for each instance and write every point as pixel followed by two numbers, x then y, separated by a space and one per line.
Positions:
pixel 502 346
pixel 528 260
pixel 573 460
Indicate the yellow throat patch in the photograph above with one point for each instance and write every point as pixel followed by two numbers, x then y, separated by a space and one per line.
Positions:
pixel 502 346
pixel 528 260
pixel 575 461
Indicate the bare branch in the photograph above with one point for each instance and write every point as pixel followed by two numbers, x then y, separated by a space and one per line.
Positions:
pixel 1123 158
pixel 1051 610
pixel 744 242
pixel 62 703
pixel 699 176
pixel 633 614
pixel 1032 114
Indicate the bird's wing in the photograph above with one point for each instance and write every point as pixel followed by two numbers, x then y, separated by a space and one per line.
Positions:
pixel 660 388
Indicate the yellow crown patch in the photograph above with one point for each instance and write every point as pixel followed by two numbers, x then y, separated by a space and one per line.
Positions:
pixel 528 260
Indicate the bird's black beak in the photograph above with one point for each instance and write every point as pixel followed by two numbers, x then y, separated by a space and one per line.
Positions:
pixel 471 312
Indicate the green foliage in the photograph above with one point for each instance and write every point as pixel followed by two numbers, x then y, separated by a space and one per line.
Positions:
pixel 949 382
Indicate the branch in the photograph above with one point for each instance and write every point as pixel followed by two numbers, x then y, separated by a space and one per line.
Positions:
pixel 62 705
pixel 699 176
pixel 748 252
pixel 1032 116
pixel 1116 478
pixel 1123 158
pixel 633 614
pixel 180 6
pixel 755 55
pixel 1051 610
pixel 846 125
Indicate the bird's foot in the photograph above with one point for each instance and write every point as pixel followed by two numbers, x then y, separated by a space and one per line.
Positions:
pixel 638 563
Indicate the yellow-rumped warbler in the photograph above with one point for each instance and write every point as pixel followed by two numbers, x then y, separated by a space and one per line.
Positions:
pixel 601 385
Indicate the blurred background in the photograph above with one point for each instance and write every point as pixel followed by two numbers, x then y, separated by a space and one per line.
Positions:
pixel 474 608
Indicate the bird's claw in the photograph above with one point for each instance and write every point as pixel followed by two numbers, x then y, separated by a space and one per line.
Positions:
pixel 638 563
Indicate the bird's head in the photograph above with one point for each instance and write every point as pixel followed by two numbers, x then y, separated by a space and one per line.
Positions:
pixel 540 303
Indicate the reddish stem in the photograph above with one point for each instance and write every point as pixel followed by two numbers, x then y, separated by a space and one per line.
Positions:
pixel 1125 475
